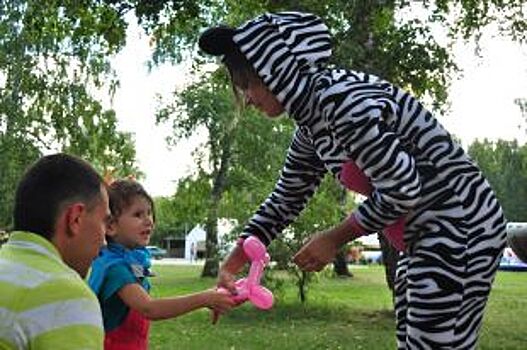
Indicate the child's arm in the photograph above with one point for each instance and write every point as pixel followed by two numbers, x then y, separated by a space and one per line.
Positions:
pixel 135 297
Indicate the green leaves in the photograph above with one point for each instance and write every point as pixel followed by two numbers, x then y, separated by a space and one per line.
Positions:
pixel 16 154
pixel 504 164
pixel 53 55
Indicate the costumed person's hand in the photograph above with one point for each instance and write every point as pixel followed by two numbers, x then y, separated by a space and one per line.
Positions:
pixel 225 287
pixel 230 267
pixel 319 251
pixel 226 280
pixel 322 248
pixel 227 276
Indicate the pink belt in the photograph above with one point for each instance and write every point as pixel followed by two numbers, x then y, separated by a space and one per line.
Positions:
pixel 355 180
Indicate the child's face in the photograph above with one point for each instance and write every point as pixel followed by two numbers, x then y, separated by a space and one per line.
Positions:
pixel 134 226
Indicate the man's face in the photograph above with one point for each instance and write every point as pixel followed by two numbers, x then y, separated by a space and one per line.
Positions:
pixel 89 238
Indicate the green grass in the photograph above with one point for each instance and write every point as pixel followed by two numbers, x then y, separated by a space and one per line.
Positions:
pixel 340 314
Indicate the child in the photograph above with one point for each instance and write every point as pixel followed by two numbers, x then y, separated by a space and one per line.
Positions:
pixel 120 274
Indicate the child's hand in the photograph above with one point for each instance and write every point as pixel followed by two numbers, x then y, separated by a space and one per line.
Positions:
pixel 219 302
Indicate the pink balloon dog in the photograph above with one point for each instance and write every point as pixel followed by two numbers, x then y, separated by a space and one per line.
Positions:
pixel 249 288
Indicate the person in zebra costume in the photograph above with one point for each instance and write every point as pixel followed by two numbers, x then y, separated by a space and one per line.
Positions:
pixel 423 191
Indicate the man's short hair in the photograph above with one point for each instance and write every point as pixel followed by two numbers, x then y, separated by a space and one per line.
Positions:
pixel 51 183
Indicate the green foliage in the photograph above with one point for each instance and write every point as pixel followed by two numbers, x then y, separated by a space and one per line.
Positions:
pixel 472 16
pixel 53 55
pixel 326 209
pixel 15 156
pixel 206 103
pixel 504 163
pixel 187 207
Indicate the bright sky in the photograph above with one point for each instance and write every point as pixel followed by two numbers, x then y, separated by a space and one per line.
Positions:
pixel 135 103
pixel 482 103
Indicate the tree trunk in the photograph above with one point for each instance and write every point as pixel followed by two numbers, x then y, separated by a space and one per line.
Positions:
pixel 212 261
pixel 390 256
pixel 302 282
pixel 340 265
pixel 211 267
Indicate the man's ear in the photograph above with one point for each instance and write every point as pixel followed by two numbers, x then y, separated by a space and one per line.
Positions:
pixel 73 216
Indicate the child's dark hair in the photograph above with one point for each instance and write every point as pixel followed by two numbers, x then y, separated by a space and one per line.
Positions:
pixel 121 194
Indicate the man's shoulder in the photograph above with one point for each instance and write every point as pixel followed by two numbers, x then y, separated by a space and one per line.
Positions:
pixel 39 279
pixel 50 311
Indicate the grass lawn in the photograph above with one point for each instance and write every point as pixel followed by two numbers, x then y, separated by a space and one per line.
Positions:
pixel 340 314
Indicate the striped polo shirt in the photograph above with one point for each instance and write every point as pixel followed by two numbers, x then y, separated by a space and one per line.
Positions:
pixel 44 304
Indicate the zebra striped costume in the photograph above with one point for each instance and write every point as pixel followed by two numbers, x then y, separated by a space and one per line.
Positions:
pixel 454 226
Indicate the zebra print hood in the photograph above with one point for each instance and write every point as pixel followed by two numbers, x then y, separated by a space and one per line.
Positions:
pixel 287 50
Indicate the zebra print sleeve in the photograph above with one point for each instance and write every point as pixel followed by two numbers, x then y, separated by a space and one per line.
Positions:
pixel 359 126
pixel 300 177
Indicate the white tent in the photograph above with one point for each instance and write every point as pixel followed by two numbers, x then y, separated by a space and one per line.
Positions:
pixel 196 237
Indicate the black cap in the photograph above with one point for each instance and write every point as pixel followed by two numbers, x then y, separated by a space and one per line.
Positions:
pixel 218 40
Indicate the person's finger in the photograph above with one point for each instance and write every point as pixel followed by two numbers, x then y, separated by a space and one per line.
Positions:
pixel 225 308
pixel 301 262
pixel 227 282
pixel 215 315
pixel 231 287
pixel 302 256
pixel 229 304
pixel 297 259
pixel 305 263
pixel 319 267
pixel 312 265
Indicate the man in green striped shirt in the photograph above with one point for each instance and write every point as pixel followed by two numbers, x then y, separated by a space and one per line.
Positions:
pixel 60 216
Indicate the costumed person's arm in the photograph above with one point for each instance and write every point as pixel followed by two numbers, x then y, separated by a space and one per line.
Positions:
pixel 136 297
pixel 378 152
pixel 359 125
pixel 300 177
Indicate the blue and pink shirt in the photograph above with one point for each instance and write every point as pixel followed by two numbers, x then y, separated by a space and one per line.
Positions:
pixel 115 268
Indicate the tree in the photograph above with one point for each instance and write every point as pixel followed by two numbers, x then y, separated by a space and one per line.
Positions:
pixel 522 104
pixel 504 164
pixel 205 104
pixel 322 212
pixel 53 55
pixel 179 213
pixel 15 154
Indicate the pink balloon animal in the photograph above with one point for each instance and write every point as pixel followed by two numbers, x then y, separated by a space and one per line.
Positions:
pixel 249 288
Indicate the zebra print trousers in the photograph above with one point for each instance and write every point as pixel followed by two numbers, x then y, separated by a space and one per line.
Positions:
pixel 443 282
